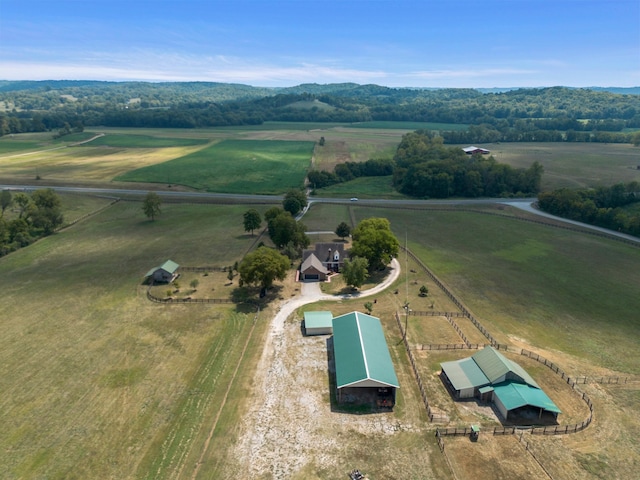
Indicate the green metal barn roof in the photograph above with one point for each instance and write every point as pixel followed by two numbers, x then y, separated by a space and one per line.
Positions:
pixel 169 266
pixel 464 373
pixel 361 354
pixel 516 395
pixel 494 365
pixel 318 319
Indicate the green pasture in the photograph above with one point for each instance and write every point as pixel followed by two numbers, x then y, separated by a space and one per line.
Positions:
pixel 555 288
pixel 105 384
pixel 144 141
pixel 234 166
pixel 574 165
pixel 363 187
pixel 97 374
pixel 387 125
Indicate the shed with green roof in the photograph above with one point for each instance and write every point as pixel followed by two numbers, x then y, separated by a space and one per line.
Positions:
pixel 165 273
pixel 364 370
pixel 318 323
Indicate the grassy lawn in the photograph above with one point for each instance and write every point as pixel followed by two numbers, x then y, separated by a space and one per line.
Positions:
pixel 234 166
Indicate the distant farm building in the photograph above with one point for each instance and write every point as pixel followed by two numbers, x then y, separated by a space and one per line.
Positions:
pixel 165 273
pixel 320 261
pixel 318 323
pixel 492 377
pixel 364 370
pixel 472 149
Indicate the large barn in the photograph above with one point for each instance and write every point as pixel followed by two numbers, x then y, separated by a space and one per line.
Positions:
pixel 491 376
pixel 364 370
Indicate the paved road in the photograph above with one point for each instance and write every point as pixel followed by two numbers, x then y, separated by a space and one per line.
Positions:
pixel 526 204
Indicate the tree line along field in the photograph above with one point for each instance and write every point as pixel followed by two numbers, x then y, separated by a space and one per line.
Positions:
pixel 104 383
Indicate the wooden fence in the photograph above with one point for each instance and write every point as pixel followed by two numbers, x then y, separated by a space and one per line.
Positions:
pixel 431 313
pixel 433 416
pixel 187 299
pixel 452 297
pixel 451 346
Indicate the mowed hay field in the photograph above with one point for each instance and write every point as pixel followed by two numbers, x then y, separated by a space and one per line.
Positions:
pixel 97 381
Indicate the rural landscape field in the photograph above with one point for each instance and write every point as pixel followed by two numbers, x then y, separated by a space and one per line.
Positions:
pixel 99 381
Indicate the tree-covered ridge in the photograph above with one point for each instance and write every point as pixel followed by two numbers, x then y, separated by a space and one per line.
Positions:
pixel 514 115
pixel 607 207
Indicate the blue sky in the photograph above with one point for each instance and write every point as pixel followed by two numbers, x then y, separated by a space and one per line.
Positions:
pixel 400 43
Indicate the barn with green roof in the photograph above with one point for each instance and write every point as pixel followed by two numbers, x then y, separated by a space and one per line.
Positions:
pixel 491 376
pixel 165 273
pixel 364 370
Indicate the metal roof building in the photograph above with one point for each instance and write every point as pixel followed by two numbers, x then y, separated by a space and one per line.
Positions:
pixel 164 273
pixel 364 369
pixel 491 376
pixel 318 323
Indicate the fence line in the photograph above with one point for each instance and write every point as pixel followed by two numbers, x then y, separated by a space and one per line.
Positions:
pixel 528 449
pixel 153 298
pixel 452 297
pixel 431 313
pixel 433 417
pixel 451 346
pixel 204 269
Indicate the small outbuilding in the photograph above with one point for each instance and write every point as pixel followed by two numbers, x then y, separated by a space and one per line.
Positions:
pixel 318 323
pixel 364 370
pixel 165 273
pixel 473 149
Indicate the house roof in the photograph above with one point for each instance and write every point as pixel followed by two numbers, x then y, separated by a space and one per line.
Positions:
pixel 361 353
pixel 318 319
pixel 515 395
pixel 312 261
pixel 168 266
pixel 324 251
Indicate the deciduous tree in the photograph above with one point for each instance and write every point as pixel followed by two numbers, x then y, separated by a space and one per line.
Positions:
pixel 355 271
pixel 5 201
pixel 151 205
pixel 374 240
pixel 252 220
pixel 263 266
pixel 294 201
pixel 343 230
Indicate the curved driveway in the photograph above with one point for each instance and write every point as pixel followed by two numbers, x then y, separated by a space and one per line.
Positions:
pixel 311 293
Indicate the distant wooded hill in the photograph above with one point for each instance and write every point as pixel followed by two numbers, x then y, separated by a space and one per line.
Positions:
pixel 531 114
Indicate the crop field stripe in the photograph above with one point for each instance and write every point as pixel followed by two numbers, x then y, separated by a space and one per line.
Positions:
pixel 205 448
pixel 192 413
